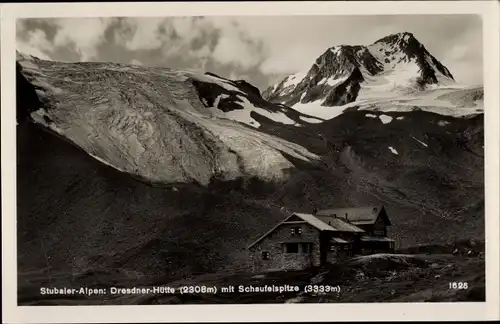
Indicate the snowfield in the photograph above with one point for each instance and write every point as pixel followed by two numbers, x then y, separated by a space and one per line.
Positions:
pixel 317 110
pixel 311 120
pixel 243 115
pixel 293 80
pixel 333 82
pixel 221 82
pixel 275 116
pixel 432 100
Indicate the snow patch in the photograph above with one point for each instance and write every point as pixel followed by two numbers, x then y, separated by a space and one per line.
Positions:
pixel 105 162
pixel 420 142
pixel 383 256
pixel 38 117
pixel 393 150
pixel 220 82
pixel 335 82
pixel 335 50
pixel 218 99
pixel 385 119
pixel 311 120
pixel 371 115
pixel 294 79
pixel 275 116
pixel 239 115
pixel 400 118
pixel 315 109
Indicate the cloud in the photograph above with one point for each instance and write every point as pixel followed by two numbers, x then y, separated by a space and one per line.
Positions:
pixel 218 39
pixel 83 34
pixel 35 43
pixel 136 62
pixel 458 51
pixel 145 33
pixel 153 33
pixel 297 59
pixel 292 43
pixel 262 48
pixel 232 48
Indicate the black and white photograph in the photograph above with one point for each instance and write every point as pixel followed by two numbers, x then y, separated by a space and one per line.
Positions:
pixel 249 159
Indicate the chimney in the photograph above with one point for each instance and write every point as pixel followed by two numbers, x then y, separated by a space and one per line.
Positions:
pixel 315 210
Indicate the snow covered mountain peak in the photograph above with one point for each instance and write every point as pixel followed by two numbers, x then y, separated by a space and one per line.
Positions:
pixel 398 38
pixel 405 48
pixel 401 53
pixel 393 67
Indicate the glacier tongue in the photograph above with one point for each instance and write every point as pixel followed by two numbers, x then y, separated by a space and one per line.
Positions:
pixel 151 123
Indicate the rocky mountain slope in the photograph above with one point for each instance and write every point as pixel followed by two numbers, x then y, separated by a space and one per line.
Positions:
pixel 396 71
pixel 132 175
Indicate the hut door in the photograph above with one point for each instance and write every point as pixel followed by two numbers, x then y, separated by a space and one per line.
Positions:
pixel 323 248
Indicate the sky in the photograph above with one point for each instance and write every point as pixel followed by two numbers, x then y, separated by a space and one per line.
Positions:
pixel 260 49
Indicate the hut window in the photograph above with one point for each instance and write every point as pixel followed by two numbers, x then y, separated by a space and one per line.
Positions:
pixel 266 255
pixel 292 248
pixel 296 231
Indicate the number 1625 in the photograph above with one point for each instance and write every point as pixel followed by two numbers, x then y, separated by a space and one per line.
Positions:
pixel 458 285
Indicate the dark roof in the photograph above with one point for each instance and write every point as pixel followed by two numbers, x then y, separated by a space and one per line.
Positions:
pixel 340 225
pixel 355 215
pixel 314 221
pixel 376 239
pixel 339 240
pixel 333 225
